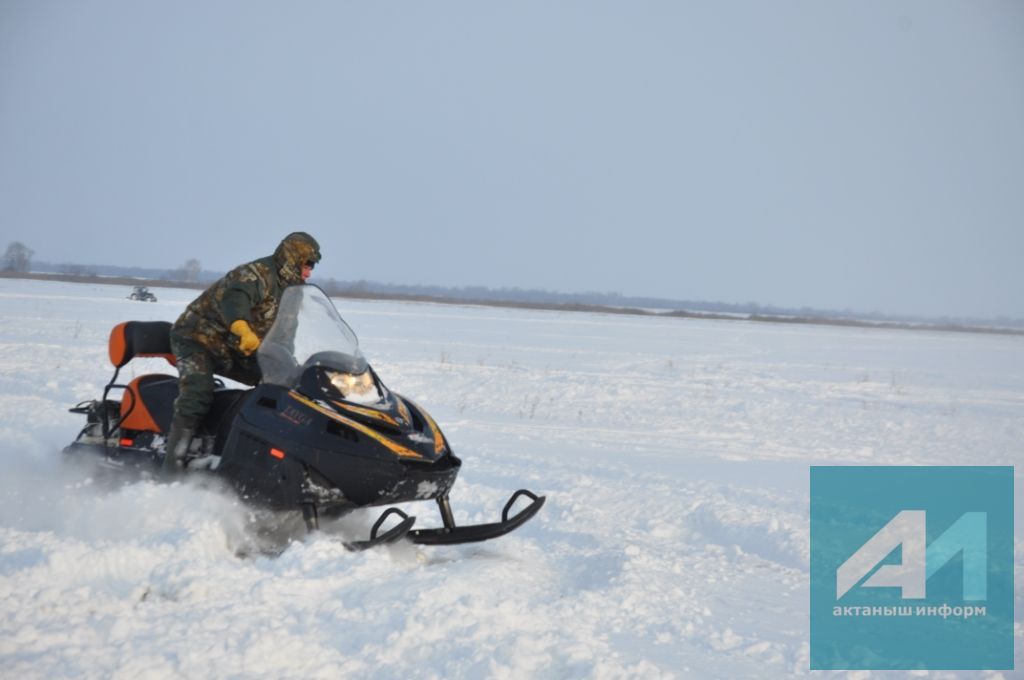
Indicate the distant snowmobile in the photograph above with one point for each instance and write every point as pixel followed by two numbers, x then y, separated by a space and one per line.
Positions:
pixel 321 433
pixel 142 294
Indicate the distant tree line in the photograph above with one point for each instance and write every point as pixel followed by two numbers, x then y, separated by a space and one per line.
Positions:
pixel 752 310
pixel 18 258
pixel 191 272
pixel 532 295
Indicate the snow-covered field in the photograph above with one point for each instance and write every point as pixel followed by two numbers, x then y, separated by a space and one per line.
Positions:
pixel 674 455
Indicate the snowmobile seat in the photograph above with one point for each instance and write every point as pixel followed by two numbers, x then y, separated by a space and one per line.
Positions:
pixel 128 340
pixel 148 403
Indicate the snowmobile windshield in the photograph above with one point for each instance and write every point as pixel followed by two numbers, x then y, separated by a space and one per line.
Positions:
pixel 307 332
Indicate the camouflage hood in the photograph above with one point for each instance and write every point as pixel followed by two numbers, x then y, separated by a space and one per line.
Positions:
pixel 296 249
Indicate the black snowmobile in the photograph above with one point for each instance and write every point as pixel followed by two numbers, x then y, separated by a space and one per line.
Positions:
pixel 321 433
pixel 142 294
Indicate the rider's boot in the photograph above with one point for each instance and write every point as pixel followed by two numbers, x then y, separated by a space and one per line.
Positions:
pixel 178 441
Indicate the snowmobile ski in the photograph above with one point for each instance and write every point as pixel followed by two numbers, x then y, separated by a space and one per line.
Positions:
pixel 451 534
pixel 395 533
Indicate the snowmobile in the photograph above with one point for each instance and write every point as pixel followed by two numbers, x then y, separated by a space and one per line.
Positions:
pixel 142 294
pixel 321 433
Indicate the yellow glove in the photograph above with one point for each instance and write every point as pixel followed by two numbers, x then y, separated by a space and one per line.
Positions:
pixel 248 341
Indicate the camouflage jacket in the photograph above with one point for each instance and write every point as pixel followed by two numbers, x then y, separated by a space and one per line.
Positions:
pixel 251 292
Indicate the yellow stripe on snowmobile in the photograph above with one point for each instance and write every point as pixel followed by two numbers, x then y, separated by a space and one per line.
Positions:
pixel 434 429
pixel 395 447
pixel 368 412
pixel 403 410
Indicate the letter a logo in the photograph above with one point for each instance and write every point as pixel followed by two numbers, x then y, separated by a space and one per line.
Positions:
pixel 907 531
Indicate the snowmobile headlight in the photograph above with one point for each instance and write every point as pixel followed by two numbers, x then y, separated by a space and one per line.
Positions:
pixel 354 386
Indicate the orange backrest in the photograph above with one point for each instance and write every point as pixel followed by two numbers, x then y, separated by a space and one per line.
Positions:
pixel 140 339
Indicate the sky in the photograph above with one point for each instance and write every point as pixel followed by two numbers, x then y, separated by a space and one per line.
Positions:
pixel 860 155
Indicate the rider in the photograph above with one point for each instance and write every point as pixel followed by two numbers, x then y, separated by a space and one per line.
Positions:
pixel 219 331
